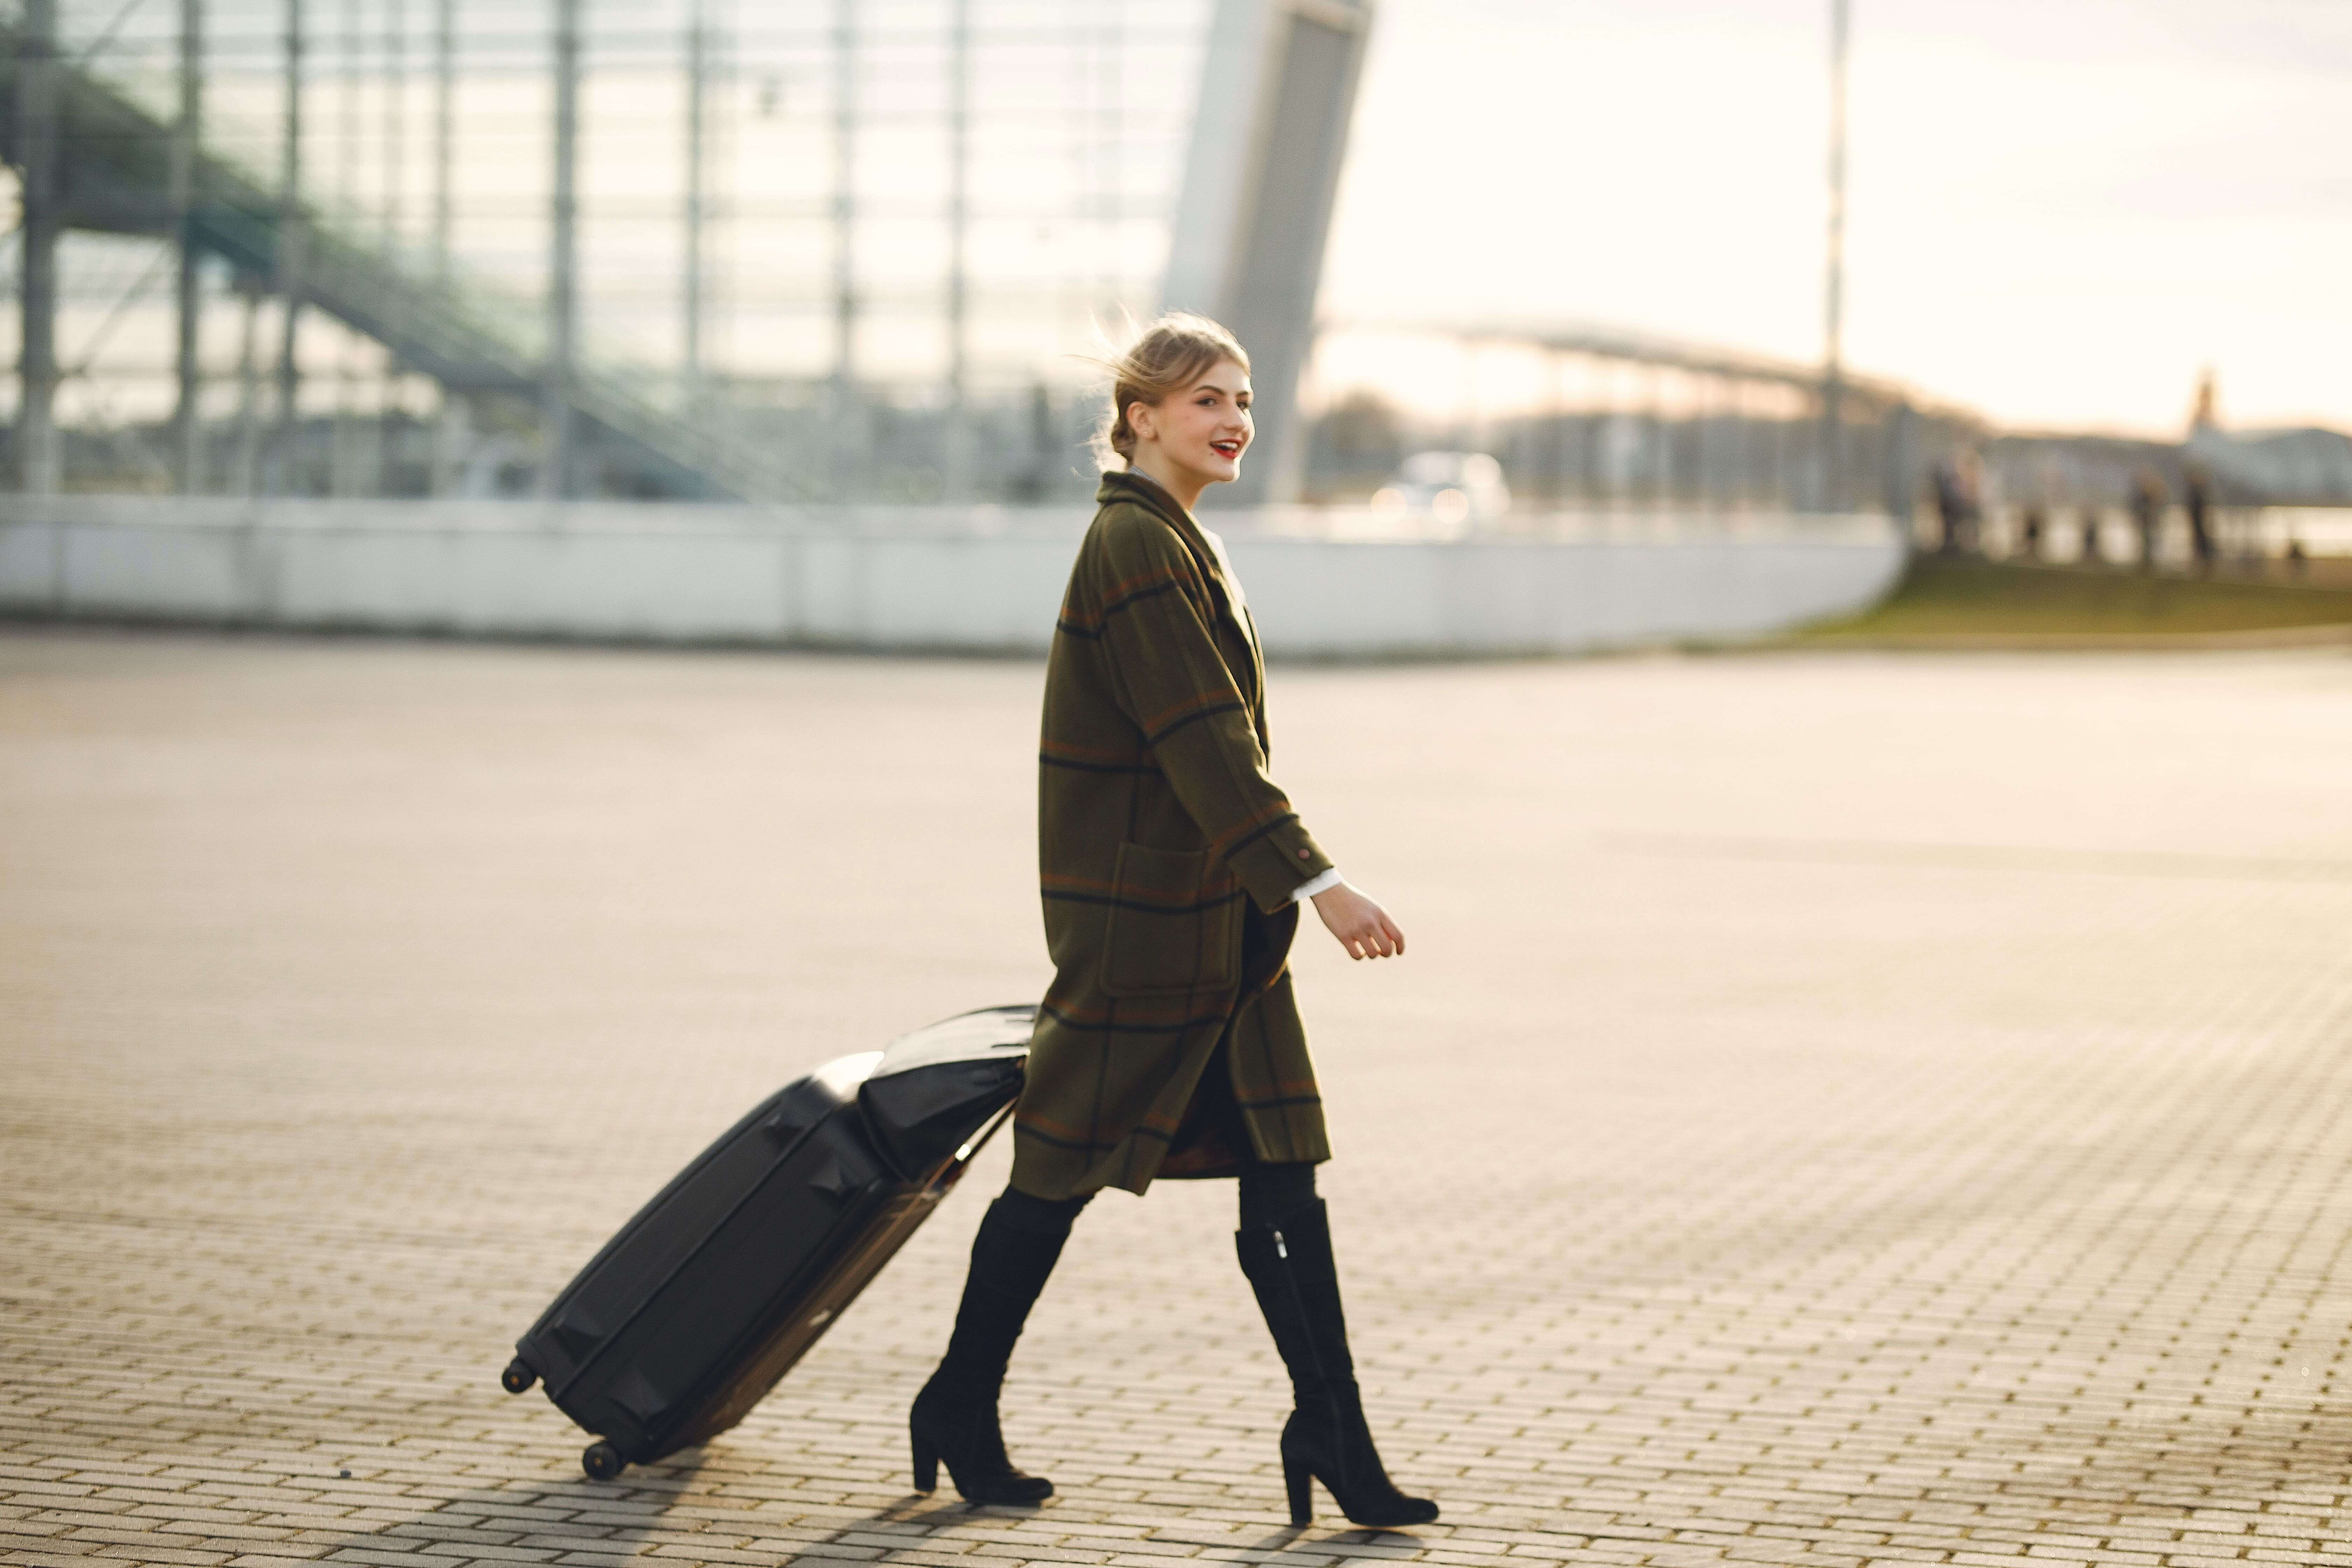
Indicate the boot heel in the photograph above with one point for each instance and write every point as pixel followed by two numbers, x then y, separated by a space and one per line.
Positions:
pixel 1300 1483
pixel 926 1466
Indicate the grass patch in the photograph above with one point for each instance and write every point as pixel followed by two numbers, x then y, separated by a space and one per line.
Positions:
pixel 1944 595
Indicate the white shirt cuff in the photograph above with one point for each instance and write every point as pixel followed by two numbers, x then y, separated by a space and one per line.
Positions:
pixel 1314 885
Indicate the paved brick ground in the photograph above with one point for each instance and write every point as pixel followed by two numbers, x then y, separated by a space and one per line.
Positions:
pixel 1924 1134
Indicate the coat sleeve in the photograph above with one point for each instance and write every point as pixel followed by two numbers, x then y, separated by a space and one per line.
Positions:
pixel 1174 685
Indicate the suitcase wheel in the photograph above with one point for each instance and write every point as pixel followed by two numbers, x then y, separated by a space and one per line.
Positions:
pixel 601 1461
pixel 518 1376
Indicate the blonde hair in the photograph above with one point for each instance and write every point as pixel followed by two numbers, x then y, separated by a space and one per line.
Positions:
pixel 1167 358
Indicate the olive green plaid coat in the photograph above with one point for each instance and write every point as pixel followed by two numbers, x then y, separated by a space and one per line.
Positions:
pixel 1167 861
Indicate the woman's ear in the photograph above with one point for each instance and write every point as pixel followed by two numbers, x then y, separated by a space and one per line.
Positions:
pixel 1138 419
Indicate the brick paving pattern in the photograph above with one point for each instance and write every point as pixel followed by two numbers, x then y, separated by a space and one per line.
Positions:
pixel 1924 1139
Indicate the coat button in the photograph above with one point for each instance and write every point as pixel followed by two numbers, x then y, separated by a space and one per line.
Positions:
pixel 1302 854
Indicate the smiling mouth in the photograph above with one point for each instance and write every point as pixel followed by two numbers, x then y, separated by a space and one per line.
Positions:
pixel 1226 448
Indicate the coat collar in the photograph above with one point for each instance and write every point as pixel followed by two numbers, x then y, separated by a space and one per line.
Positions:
pixel 1118 485
pixel 1122 486
pixel 1224 589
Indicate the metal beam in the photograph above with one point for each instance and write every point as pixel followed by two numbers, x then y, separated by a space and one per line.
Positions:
pixel 1278 88
pixel 563 262
pixel 955 467
pixel 293 238
pixel 445 127
pixel 187 429
pixel 841 459
pixel 395 120
pixel 38 459
pixel 448 422
pixel 1833 488
pixel 698 83
pixel 343 468
pixel 1107 135
pixel 245 471
pixel 383 450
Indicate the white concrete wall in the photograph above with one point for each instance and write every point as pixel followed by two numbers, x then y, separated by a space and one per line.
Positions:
pixel 968 579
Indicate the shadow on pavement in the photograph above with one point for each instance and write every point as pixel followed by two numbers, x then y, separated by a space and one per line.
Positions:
pixel 575 1514
pixel 634 1515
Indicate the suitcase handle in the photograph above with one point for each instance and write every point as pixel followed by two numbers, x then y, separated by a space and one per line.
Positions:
pixel 951 1172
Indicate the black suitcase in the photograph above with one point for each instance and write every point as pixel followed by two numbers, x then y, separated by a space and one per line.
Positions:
pixel 691 1314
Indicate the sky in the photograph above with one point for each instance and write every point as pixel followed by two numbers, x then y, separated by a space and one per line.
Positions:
pixel 2058 211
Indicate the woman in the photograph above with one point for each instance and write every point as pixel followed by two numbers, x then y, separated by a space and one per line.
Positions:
pixel 1173 868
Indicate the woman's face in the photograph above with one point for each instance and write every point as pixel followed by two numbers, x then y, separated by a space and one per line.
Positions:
pixel 1202 430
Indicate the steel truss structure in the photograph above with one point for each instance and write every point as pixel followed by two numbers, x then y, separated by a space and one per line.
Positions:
pixel 833 250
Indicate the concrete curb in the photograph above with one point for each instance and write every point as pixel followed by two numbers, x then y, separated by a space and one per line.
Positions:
pixel 2323 636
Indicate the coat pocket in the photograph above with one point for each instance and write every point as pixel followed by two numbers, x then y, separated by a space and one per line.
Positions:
pixel 1172 927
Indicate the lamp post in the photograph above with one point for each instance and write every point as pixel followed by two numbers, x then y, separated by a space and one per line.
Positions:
pixel 1833 348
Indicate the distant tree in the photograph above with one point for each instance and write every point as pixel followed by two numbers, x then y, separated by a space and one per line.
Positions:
pixel 1360 436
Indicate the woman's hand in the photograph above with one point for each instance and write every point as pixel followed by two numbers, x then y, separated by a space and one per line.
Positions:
pixel 1363 927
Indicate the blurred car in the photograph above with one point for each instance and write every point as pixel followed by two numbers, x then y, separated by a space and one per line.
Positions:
pixel 1457 489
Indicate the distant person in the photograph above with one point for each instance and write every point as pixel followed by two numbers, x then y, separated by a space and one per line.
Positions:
pixel 1174 869
pixel 2088 550
pixel 2034 523
pixel 1972 498
pixel 2030 529
pixel 2198 482
pixel 2147 498
pixel 1958 505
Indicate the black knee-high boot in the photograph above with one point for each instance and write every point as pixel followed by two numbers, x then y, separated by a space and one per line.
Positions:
pixel 954 1417
pixel 1289 1264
